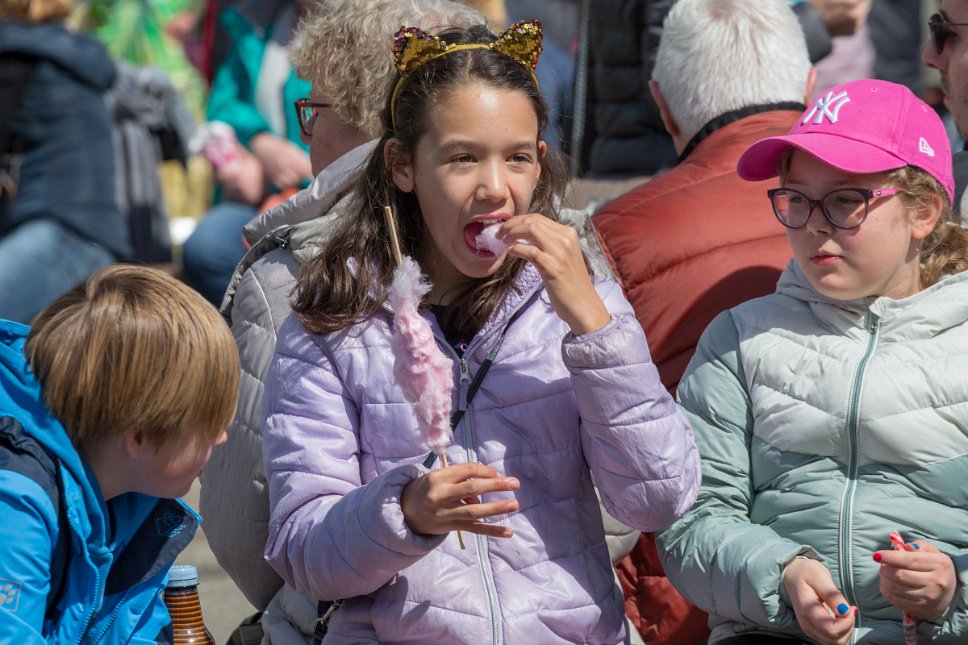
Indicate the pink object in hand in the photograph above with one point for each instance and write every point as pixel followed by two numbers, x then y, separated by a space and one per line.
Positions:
pixel 423 371
pixel 217 143
pixel 907 620
pixel 487 239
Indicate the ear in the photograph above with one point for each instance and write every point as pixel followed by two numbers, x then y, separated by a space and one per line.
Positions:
pixel 399 164
pixel 667 120
pixel 925 219
pixel 811 85
pixel 134 443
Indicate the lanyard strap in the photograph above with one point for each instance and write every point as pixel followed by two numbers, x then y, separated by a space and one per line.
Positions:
pixel 475 385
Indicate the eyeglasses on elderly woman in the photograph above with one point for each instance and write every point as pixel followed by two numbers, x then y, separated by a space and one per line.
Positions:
pixel 306 112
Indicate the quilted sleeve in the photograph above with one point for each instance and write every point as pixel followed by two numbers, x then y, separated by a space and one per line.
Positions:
pixel 234 496
pixel 330 536
pixel 714 555
pixel 639 447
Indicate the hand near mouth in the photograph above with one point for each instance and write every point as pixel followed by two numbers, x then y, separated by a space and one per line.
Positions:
pixel 555 251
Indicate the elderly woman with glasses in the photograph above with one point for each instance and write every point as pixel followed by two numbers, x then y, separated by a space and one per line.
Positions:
pixel 342 48
pixel 831 414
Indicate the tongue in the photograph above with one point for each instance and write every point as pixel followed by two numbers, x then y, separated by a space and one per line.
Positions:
pixel 471 232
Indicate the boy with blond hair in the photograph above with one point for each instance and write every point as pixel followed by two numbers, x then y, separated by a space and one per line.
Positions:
pixel 110 406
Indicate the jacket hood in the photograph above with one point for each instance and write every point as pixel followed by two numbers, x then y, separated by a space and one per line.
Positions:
pixel 21 398
pixel 80 55
pixel 929 312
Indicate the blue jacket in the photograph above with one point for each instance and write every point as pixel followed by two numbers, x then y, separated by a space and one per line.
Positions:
pixel 116 568
pixel 65 128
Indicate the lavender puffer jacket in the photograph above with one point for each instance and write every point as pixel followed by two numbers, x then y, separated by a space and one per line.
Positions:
pixel 341 443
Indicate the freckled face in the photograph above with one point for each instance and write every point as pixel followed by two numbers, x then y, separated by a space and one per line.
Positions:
pixel 875 259
pixel 477 163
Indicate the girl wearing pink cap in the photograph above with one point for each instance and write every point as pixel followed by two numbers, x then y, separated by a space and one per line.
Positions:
pixel 835 411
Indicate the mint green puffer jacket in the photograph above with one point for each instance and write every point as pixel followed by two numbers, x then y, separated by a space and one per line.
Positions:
pixel 823 426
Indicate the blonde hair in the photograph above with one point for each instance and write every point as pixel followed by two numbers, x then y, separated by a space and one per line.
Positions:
pixel 945 250
pixel 343 49
pixel 134 349
pixel 34 11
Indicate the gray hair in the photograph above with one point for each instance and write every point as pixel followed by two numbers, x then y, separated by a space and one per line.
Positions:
pixel 343 47
pixel 716 56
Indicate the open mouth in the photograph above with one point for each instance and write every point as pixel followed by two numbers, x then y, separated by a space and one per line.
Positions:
pixel 480 237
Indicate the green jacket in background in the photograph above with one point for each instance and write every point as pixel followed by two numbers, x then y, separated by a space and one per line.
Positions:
pixel 823 426
pixel 232 98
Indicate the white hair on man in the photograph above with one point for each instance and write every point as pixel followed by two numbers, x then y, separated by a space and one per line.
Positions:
pixel 716 56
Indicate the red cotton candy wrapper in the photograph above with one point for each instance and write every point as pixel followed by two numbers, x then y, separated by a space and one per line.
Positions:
pixel 423 372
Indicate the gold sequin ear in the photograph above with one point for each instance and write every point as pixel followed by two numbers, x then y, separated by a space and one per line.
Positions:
pixel 412 47
pixel 522 42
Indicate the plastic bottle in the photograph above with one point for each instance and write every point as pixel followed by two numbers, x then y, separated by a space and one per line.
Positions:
pixel 181 596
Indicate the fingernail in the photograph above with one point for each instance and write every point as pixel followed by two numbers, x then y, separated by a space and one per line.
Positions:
pixel 917 547
pixel 842 608
pixel 877 557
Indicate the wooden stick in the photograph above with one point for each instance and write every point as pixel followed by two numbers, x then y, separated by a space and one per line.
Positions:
pixel 394 236
pixel 460 536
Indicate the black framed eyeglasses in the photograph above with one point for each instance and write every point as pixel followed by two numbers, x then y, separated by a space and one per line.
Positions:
pixel 844 208
pixel 938 25
pixel 306 113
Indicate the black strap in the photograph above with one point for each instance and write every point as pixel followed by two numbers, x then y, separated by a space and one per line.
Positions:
pixel 324 611
pixel 471 391
pixel 735 115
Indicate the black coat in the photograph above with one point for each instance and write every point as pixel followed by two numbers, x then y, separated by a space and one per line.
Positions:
pixel 64 129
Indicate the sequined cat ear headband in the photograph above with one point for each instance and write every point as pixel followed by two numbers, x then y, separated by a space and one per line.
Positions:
pixel 413 48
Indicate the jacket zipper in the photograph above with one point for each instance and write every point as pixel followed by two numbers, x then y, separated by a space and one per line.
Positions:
pixel 850 486
pixel 97 579
pixel 482 550
pixel 471 455
pixel 110 621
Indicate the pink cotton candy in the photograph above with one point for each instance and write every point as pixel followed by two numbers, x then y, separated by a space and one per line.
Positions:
pixel 487 239
pixel 423 371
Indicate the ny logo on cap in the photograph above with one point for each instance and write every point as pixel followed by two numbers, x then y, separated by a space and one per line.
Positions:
pixel 826 106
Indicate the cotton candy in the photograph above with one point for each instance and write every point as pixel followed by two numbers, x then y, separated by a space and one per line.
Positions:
pixel 423 372
pixel 487 239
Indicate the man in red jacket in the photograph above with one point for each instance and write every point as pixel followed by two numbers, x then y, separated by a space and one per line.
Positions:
pixel 697 239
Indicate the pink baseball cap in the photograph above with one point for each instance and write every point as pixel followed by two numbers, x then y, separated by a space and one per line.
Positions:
pixel 861 127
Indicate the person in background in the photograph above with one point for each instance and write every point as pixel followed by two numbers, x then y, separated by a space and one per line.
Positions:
pixel 827 412
pixel 695 240
pixel 358 512
pixel 253 91
pixel 59 217
pixel 341 48
pixel 947 52
pixel 109 408
pixel 618 131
